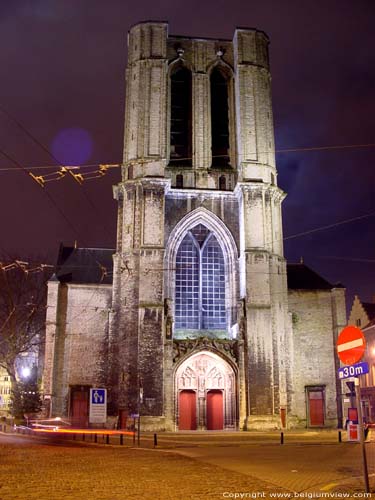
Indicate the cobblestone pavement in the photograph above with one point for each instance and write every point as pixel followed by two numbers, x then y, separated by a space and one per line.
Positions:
pixel 195 466
pixel 30 470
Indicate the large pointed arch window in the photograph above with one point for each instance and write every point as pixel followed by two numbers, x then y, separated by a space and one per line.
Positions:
pixel 219 118
pixel 200 282
pixel 180 126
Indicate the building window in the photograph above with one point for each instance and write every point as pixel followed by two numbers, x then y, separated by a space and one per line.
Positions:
pixel 219 119
pixel 200 282
pixel 181 130
pixel 179 181
pixel 222 183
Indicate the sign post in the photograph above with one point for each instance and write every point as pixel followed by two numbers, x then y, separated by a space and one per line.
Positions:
pixel 361 434
pixel 98 406
pixel 351 345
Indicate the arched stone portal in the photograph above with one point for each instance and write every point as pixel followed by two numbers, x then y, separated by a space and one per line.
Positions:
pixel 205 393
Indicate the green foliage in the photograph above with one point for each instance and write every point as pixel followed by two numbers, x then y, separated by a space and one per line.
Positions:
pixel 25 397
pixel 295 318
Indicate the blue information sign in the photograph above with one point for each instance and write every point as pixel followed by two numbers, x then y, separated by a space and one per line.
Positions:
pixel 98 397
pixel 98 406
pixel 353 370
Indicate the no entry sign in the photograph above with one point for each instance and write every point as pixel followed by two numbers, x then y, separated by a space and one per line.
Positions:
pixel 351 345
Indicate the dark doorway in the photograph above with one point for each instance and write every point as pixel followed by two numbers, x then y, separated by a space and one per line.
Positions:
pixel 188 411
pixel 122 420
pixel 316 408
pixel 79 406
pixel 215 413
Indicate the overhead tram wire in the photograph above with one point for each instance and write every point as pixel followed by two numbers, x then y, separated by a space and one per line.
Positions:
pixel 103 269
pixel 329 226
pixel 50 198
pixel 144 160
pixel 46 150
pixel 288 150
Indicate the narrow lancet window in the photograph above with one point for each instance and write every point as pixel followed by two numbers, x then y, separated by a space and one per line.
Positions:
pixel 219 119
pixel 181 130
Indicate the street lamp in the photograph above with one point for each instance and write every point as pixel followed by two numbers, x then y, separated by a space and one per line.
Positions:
pixel 26 372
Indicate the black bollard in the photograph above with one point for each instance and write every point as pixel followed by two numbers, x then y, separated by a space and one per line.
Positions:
pixel 121 439
pixel 83 437
pixel 155 440
pixel 282 438
pixel 107 439
pixel 95 438
pixel 340 438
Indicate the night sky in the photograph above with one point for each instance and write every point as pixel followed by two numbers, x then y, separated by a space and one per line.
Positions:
pixel 62 78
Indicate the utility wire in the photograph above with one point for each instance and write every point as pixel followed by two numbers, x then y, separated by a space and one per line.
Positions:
pixel 329 226
pixel 143 160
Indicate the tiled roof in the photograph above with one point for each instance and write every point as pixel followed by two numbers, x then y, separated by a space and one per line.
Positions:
pixel 84 265
pixel 95 265
pixel 301 277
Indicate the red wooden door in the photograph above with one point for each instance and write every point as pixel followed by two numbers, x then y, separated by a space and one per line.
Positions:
pixel 79 414
pixel 188 411
pixel 215 417
pixel 316 408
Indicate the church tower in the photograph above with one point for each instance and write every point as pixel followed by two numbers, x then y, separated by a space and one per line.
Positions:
pixel 199 334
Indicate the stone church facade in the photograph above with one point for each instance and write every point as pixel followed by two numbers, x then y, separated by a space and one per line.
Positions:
pixel 195 321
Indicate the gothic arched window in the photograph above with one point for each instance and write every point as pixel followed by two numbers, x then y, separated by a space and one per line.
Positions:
pixel 219 119
pixel 200 282
pixel 181 130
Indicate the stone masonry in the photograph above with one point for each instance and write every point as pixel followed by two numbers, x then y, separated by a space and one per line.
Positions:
pixel 132 344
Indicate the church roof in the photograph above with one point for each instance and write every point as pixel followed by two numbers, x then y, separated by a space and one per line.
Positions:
pixel 95 266
pixel 85 265
pixel 301 277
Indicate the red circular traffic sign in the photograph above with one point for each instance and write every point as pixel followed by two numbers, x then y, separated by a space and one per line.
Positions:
pixel 351 345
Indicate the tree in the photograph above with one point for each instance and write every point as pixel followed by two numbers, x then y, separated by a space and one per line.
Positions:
pixel 23 296
pixel 25 397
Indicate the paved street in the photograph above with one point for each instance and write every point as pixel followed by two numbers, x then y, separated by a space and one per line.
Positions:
pixel 190 466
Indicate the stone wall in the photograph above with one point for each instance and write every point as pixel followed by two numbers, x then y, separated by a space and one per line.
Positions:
pixel 317 316
pixel 76 343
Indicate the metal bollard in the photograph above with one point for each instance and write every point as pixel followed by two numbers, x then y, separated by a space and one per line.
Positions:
pixel 282 438
pixel 83 437
pixel 107 439
pixel 121 439
pixel 155 440
pixel 95 438
pixel 340 437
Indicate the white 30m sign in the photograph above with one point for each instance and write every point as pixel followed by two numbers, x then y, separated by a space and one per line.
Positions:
pixel 353 370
